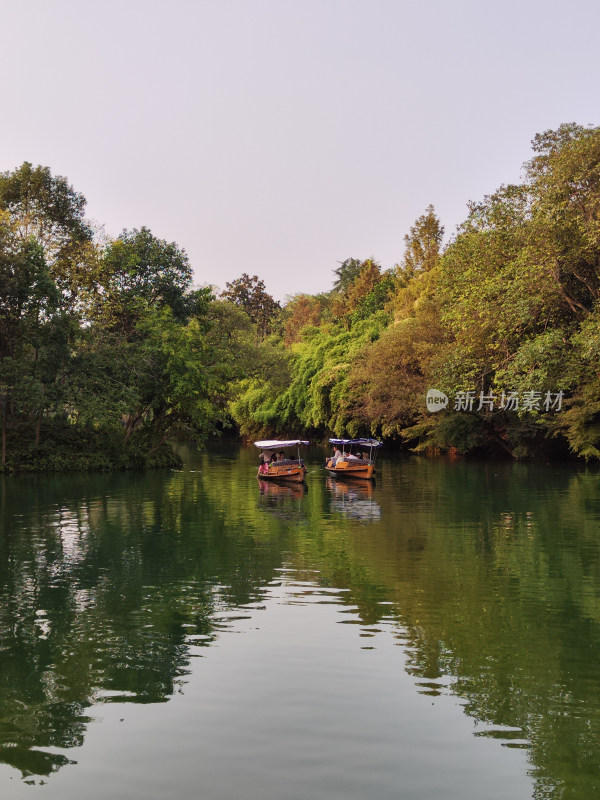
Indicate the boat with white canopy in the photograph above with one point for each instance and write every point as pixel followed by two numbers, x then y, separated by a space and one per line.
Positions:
pixel 356 459
pixel 282 467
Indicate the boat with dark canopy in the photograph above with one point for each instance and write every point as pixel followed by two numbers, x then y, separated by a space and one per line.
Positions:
pixel 284 468
pixel 357 458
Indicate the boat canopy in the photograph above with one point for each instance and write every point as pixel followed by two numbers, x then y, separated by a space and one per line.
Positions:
pixel 365 442
pixel 273 444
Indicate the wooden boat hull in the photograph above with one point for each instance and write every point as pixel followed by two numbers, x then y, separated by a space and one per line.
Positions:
pixel 347 469
pixel 283 473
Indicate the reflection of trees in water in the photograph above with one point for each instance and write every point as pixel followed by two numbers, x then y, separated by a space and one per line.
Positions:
pixel 282 499
pixel 491 573
pixel 100 596
pixel 494 573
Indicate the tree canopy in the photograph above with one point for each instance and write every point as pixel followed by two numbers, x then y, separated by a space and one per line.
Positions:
pixel 508 309
pixel 250 294
pixel 109 342
pixel 106 350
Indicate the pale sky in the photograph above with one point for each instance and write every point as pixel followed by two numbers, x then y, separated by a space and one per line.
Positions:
pixel 280 137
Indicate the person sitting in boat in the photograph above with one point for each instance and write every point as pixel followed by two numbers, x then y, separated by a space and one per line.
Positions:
pixel 337 456
pixel 351 457
pixel 263 466
pixel 273 459
pixel 281 456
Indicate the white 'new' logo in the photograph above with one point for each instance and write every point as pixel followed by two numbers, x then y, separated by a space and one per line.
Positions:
pixel 436 400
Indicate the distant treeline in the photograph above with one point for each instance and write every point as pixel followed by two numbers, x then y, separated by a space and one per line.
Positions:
pixel 107 352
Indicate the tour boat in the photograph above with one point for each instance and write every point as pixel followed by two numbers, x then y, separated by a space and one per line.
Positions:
pixel 350 466
pixel 288 469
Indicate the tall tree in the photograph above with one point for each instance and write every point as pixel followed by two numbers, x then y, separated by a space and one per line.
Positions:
pixel 140 270
pixel 250 294
pixel 48 210
pixel 423 243
pixel 346 273
pixel 301 311
pixel 564 183
pixel 360 299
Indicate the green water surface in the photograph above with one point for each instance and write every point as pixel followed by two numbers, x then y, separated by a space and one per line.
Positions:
pixel 196 634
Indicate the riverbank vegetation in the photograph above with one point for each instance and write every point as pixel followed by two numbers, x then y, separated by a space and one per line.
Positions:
pixel 107 351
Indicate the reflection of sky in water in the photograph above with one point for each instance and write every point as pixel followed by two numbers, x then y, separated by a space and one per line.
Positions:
pixel 73 529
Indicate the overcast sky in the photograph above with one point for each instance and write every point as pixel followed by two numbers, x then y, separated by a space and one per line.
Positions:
pixel 280 137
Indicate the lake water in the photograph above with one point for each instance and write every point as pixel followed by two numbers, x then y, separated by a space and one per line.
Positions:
pixel 193 634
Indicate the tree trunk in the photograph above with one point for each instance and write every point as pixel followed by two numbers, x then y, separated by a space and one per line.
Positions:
pixel 37 428
pixel 132 421
pixel 4 415
pixel 128 430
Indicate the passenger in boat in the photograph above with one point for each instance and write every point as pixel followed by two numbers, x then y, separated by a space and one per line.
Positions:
pixel 263 466
pixel 281 456
pixel 337 456
pixel 351 457
pixel 273 459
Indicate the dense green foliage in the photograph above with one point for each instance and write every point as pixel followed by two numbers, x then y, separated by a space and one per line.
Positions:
pixel 509 309
pixel 106 351
pixel 112 340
